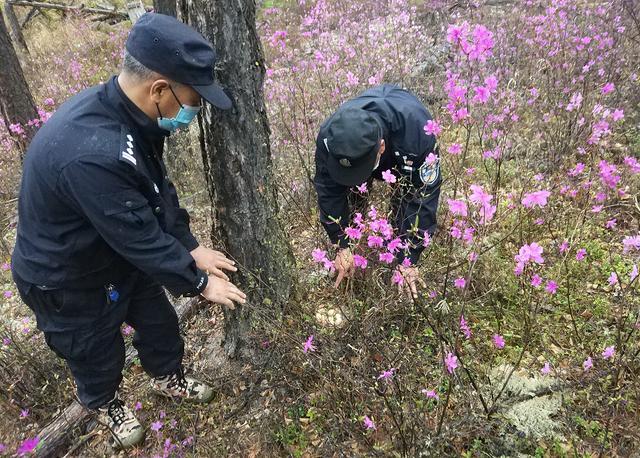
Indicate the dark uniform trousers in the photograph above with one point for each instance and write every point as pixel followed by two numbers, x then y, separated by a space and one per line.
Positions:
pixel 83 327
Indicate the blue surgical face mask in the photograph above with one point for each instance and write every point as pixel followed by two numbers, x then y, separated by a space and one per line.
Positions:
pixel 181 120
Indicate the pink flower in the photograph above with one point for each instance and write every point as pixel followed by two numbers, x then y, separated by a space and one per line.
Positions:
pixel 607 88
pixel 48 101
pixel 386 257
pixel 551 287
pixel 138 406
pixel 464 327
pixel 577 170
pixel 8 294
pixel 479 196
pixel 359 261
pixel 538 198
pixel 375 241
pixel 546 369
pixel 388 176
pixel 482 94
pixel 319 255
pixel 328 265
pixel 609 352
pixel 156 426
pixel 362 188
pixel 368 423
pixel 630 243
pixel 397 278
pixel 536 280
pixel 455 149
pixel 451 362
pixel 308 345
pixel 531 252
pixel 617 115
pixel 634 273
pixel 498 341
pixel 28 446
pixel 393 245
pixel 587 364
pixel 580 255
pixel 127 330
pixel 460 282
pixel 431 158
pixel 387 375
pixel 432 128
pixel 353 233
pixel 613 279
pixel 564 246
pixel 431 394
pixel 457 207
pixel 24 413
pixel 611 223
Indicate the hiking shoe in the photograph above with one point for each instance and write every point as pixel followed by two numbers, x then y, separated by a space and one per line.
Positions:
pixel 176 385
pixel 125 428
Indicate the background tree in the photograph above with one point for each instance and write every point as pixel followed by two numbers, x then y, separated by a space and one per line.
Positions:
pixel 16 102
pixel 16 29
pixel 165 7
pixel 237 158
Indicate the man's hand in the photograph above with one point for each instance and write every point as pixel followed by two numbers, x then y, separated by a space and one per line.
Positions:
pixel 344 265
pixel 212 262
pixel 223 292
pixel 410 279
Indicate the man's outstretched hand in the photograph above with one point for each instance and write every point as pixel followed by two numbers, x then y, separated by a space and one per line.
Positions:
pixel 223 292
pixel 410 280
pixel 344 264
pixel 213 262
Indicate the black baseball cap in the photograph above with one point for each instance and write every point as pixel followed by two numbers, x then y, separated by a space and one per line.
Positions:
pixel 353 141
pixel 173 49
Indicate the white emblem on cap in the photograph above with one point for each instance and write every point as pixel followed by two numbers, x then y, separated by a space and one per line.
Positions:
pixel 155 186
pixel 345 162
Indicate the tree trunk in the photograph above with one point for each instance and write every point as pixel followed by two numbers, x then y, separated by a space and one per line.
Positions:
pixel 16 102
pixel 165 7
pixel 237 159
pixel 16 30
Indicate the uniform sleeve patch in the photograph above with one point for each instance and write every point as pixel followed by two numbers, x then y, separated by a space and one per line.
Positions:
pixel 127 148
pixel 429 173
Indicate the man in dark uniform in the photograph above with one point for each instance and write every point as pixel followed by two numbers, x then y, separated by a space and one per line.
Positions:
pixel 381 130
pixel 101 229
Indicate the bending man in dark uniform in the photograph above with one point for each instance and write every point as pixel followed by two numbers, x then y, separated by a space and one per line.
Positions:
pixel 380 130
pixel 101 229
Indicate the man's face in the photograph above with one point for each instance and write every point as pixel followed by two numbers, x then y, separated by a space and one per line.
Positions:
pixel 380 153
pixel 161 94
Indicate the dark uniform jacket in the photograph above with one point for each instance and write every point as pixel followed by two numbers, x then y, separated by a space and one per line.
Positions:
pixel 96 201
pixel 407 145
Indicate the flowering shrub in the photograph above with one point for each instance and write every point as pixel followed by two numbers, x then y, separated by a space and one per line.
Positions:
pixel 536 232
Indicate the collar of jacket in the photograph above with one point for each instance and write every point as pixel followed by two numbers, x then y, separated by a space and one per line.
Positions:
pixel 131 115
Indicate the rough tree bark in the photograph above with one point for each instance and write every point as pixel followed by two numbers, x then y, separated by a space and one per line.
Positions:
pixel 16 101
pixel 16 30
pixel 165 7
pixel 237 159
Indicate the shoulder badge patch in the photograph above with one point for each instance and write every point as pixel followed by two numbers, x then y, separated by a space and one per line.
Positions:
pixel 126 149
pixel 429 173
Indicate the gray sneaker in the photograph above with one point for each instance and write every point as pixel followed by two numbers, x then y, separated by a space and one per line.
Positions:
pixel 176 385
pixel 125 428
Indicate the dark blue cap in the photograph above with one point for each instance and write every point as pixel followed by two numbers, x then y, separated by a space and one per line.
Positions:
pixel 173 49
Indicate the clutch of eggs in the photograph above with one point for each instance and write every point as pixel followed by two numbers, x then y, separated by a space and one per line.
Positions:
pixel 329 316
